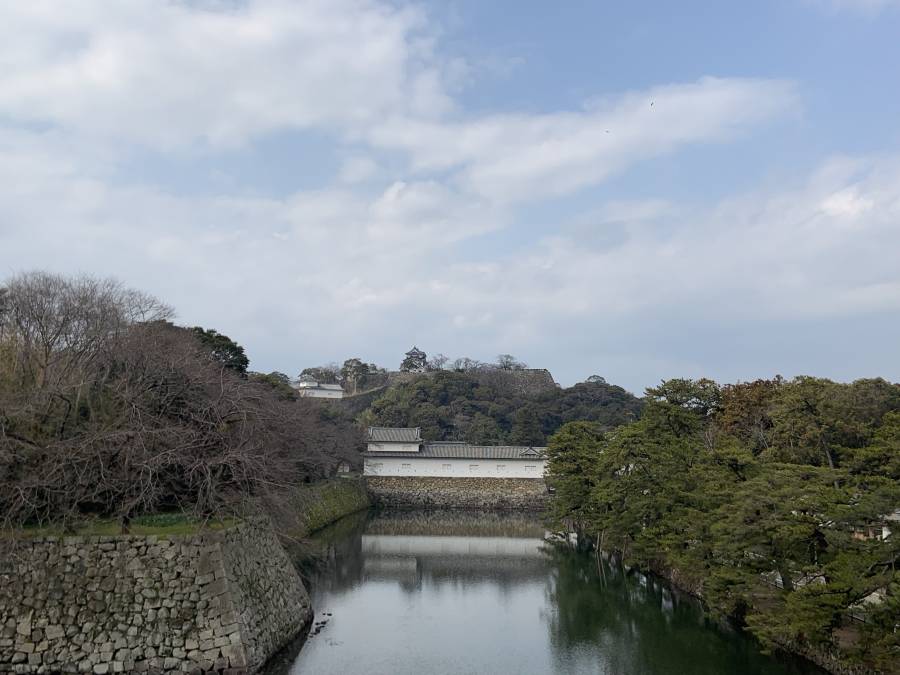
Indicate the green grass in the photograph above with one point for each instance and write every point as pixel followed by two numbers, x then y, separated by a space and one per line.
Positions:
pixel 161 524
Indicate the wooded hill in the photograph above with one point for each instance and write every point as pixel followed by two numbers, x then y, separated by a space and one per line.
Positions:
pixel 488 407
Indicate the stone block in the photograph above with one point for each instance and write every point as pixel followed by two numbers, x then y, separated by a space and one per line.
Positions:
pixel 23 626
pixel 54 632
pixel 235 655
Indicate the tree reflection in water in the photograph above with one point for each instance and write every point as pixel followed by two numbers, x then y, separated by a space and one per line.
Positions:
pixel 463 592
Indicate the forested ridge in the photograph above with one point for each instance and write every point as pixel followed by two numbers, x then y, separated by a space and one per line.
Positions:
pixel 483 407
pixel 768 498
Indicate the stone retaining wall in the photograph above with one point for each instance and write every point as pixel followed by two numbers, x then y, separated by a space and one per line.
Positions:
pixel 519 494
pixel 222 602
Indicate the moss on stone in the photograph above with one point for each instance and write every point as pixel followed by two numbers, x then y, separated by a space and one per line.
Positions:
pixel 164 524
pixel 314 506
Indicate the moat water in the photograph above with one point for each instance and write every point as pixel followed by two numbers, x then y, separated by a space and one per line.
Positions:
pixel 436 593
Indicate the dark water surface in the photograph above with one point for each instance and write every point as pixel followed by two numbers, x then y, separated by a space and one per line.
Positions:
pixel 438 593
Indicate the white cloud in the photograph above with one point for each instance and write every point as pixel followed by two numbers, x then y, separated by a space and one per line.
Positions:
pixel 846 203
pixel 774 256
pixel 357 169
pixel 315 271
pixel 170 74
pixel 521 157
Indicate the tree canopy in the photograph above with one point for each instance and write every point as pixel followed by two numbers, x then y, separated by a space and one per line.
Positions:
pixel 223 349
pixel 769 497
pixel 479 407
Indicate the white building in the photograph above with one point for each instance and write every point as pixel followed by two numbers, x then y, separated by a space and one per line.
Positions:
pixel 307 386
pixel 403 452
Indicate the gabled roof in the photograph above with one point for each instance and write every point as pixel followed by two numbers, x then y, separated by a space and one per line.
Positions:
pixel 454 450
pixel 394 435
pixel 415 351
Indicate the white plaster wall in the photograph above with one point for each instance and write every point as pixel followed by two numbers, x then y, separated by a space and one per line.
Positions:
pixel 321 393
pixel 393 447
pixel 454 468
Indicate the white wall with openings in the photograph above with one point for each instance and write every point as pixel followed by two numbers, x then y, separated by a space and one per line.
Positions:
pixel 454 468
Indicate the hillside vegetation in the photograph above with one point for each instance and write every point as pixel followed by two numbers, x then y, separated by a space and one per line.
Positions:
pixel 487 407
pixel 769 498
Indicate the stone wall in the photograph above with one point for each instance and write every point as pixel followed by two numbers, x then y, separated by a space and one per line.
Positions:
pixel 221 601
pixel 520 494
pixel 528 382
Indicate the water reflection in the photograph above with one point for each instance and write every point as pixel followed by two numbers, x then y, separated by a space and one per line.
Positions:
pixel 462 550
pixel 438 592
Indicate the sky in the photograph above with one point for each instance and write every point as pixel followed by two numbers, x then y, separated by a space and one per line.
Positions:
pixel 638 190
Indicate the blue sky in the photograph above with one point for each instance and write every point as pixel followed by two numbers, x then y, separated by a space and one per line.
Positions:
pixel 638 190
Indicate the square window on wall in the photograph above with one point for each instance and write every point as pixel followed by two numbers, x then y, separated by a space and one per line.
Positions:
pixel 446 467
pixel 406 467
pixel 501 468
pixel 473 468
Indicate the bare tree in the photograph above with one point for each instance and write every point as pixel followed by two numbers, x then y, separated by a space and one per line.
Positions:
pixel 107 408
pixel 437 362
pixel 330 373
pixel 464 364
pixel 510 362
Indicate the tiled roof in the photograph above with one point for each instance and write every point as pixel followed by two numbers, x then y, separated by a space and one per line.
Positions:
pixel 465 451
pixel 394 435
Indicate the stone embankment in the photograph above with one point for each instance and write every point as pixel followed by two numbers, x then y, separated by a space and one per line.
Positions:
pixel 518 494
pixel 219 601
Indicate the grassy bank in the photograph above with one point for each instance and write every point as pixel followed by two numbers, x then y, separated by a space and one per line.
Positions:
pixel 311 507
pixel 161 524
